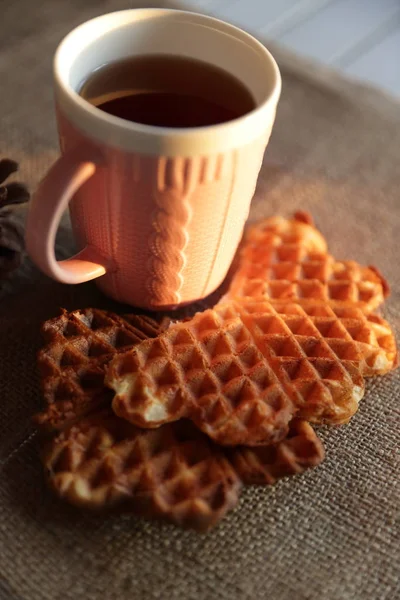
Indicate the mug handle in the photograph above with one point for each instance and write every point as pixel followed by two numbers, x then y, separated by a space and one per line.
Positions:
pixel 52 197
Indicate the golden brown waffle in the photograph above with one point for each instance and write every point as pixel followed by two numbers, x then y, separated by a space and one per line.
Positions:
pixel 240 372
pixel 324 331
pixel 292 340
pixel 173 472
pixel 207 369
pixel 287 259
pixel 300 450
pixel 316 349
pixel 77 347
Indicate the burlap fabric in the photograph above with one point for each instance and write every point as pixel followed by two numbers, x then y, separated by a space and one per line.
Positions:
pixel 330 534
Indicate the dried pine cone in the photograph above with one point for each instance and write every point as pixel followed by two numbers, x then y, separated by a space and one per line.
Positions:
pixel 11 229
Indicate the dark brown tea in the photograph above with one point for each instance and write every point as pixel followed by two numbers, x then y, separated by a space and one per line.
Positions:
pixel 167 91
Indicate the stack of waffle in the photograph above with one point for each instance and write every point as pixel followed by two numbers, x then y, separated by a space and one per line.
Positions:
pixel 169 420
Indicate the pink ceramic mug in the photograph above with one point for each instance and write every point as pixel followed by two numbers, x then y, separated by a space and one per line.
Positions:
pixel 158 212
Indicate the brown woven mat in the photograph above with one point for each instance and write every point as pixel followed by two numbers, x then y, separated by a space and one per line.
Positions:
pixel 330 534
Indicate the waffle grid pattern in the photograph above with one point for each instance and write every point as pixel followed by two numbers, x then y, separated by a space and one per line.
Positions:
pixel 174 472
pixel 299 451
pixel 207 369
pixel 285 259
pixel 77 347
pixel 228 367
pixel 322 331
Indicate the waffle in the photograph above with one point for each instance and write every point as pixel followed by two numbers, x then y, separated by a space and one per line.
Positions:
pixel 299 451
pixel 174 472
pixel 323 331
pixel 316 349
pixel 209 370
pixel 285 259
pixel 240 372
pixel 77 347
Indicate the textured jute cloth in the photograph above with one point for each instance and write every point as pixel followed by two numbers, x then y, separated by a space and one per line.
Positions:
pixel 332 533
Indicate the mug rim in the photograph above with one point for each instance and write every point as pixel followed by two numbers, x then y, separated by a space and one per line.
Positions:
pixel 149 139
